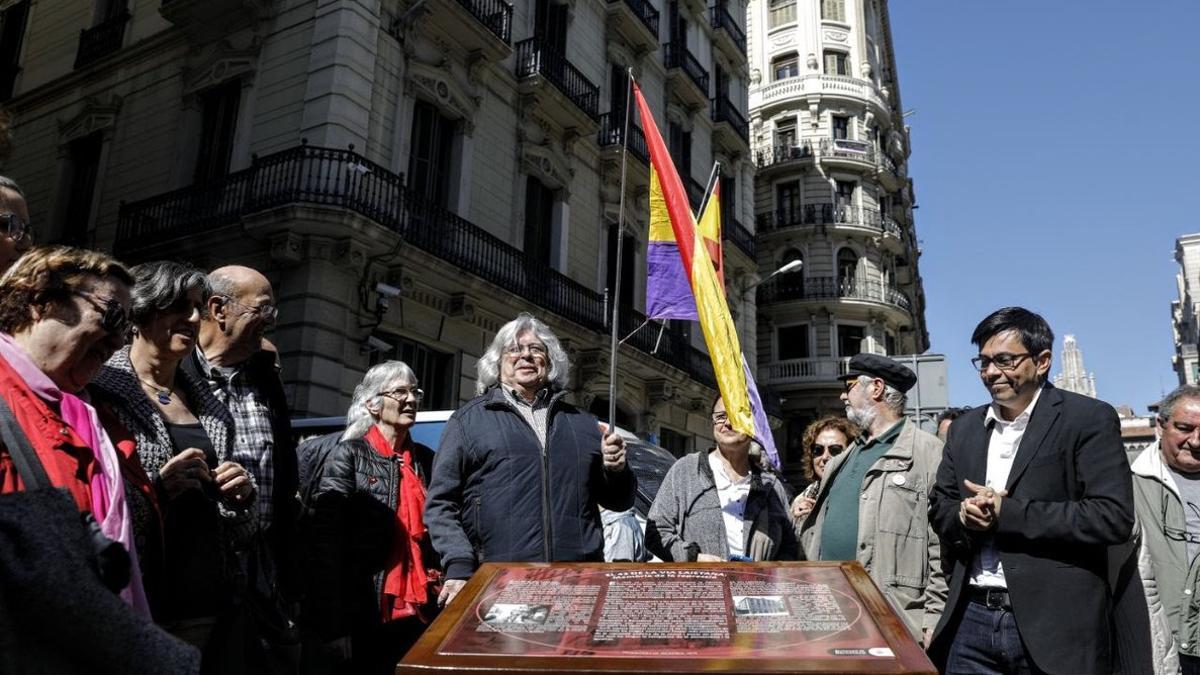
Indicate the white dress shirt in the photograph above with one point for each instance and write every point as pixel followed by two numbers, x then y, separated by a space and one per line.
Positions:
pixel 986 570
pixel 733 494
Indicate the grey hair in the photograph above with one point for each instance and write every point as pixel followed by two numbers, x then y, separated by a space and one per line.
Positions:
pixel 487 370
pixel 10 184
pixel 160 284
pixel 1167 405
pixel 222 284
pixel 367 394
pixel 893 398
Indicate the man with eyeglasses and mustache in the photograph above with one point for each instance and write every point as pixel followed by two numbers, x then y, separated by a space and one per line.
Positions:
pixel 16 234
pixel 872 503
pixel 1166 494
pixel 243 375
pixel 1032 493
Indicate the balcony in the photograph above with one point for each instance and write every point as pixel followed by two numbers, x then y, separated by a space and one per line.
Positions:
pixel 209 18
pixel 481 27
pixel 101 40
pixel 787 289
pixel 686 78
pixel 729 35
pixel 571 99
pixel 636 21
pixel 730 129
pixel 734 231
pixel 695 192
pixel 783 157
pixel 612 128
pixel 824 371
pixel 340 179
pixel 859 154
pixel 821 216
pixel 785 92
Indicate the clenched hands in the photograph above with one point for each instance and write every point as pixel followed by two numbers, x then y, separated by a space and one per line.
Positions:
pixel 981 509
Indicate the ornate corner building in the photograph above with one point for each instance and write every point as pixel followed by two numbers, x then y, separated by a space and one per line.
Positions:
pixel 466 154
pixel 1184 320
pixel 832 190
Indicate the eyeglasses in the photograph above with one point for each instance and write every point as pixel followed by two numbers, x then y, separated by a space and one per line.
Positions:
pixel 533 349
pixel 16 227
pixel 266 311
pixel 402 393
pixel 850 384
pixel 113 318
pixel 720 418
pixel 1175 533
pixel 834 450
pixel 1002 361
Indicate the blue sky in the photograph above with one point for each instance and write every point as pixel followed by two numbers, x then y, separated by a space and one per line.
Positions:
pixel 1054 152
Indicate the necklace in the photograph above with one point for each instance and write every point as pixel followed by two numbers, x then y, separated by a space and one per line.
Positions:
pixel 163 394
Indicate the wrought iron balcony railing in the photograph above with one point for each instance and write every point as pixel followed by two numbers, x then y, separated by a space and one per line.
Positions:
pixel 723 111
pixel 846 148
pixel 645 12
pixel 737 233
pixel 695 192
pixel 101 40
pixel 796 287
pixel 344 179
pixel 612 127
pixel 721 19
pixel 676 55
pixel 827 214
pixel 534 57
pixel 784 153
pixel 495 15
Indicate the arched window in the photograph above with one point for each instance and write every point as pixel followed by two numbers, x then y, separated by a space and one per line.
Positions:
pixel 847 270
pixel 791 283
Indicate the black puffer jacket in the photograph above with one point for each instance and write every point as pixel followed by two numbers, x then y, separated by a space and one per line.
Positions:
pixel 350 525
pixel 496 496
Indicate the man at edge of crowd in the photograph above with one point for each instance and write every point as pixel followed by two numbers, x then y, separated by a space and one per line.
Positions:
pixel 871 506
pixel 519 472
pixel 1031 493
pixel 16 233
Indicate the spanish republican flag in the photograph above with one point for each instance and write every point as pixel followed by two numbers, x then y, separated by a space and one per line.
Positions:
pixel 669 204
pixel 668 291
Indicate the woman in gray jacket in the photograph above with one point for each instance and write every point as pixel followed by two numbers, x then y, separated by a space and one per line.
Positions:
pixel 720 505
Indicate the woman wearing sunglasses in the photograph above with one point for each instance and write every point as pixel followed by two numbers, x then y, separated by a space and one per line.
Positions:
pixel 372 585
pixel 720 505
pixel 824 439
pixel 191 506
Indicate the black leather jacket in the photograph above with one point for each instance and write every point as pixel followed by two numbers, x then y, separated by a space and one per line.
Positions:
pixel 350 525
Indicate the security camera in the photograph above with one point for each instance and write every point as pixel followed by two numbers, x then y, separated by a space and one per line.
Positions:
pixel 378 345
pixel 387 290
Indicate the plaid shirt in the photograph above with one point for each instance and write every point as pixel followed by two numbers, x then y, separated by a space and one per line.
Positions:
pixel 254 441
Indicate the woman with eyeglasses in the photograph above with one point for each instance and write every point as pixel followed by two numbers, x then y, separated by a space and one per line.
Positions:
pixel 719 505
pixel 372 572
pixel 823 440
pixel 191 505
pixel 16 234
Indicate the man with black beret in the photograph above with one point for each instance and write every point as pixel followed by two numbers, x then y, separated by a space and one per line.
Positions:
pixel 873 504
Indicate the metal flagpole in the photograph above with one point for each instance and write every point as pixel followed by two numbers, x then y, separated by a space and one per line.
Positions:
pixel 616 305
pixel 708 190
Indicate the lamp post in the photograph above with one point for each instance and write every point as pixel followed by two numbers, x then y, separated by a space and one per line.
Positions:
pixel 791 266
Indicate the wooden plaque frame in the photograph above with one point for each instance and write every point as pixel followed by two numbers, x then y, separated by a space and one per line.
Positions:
pixel 527 618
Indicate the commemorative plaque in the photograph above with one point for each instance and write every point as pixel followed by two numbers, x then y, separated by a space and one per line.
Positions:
pixel 668 617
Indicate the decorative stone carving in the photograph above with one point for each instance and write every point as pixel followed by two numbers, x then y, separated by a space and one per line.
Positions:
pixel 226 64
pixel 287 248
pixel 865 69
pixel 784 39
pixel 550 167
pixel 755 77
pixel 812 62
pixel 97 115
pixel 438 85
pixel 835 35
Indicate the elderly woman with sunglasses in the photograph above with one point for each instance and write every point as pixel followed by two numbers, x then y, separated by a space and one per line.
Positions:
pixel 372 569
pixel 823 440
pixel 183 438
pixel 720 505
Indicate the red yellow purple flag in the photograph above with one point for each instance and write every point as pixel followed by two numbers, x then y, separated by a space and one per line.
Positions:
pixel 669 204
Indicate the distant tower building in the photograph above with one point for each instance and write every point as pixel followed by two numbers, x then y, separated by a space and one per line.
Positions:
pixel 1183 310
pixel 1073 376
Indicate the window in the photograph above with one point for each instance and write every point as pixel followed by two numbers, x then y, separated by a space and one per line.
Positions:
pixel 833 10
pixel 673 442
pixel 219 107
pixel 434 369
pixel 628 266
pixel 849 340
pixel 84 158
pixel 539 221
pixel 837 63
pixel 729 194
pixel 550 25
pixel 785 66
pixel 108 10
pixel 840 125
pixel 679 143
pixel 677 23
pixel 12 32
pixel 847 270
pixel 781 12
pixel 618 82
pixel 791 284
pixel 787 202
pixel 889 341
pixel 785 133
pixel 844 200
pixel 720 83
pixel 431 155
pixel 792 342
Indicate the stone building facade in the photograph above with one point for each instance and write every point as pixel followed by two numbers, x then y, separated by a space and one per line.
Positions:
pixel 832 190
pixel 1183 311
pixel 410 174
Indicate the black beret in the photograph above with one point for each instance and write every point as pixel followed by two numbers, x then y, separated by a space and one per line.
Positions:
pixel 873 365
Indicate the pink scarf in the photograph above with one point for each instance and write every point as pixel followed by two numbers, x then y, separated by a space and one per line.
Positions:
pixel 107 487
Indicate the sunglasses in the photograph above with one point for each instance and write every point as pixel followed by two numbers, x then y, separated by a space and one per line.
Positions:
pixel 834 449
pixel 113 318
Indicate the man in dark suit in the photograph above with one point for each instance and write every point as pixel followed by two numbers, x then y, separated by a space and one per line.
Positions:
pixel 1031 492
